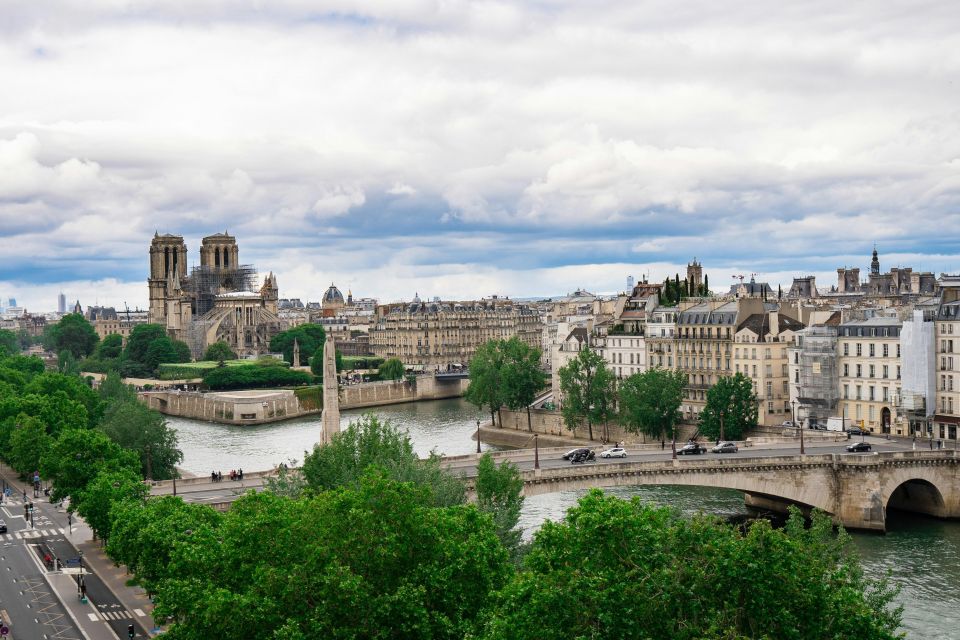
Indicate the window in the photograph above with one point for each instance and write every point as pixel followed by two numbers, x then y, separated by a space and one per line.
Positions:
pixel 766 353
pixel 859 349
pixel 886 370
pixel 846 369
pixel 859 371
pixel 770 407
pixel 859 392
pixel 872 349
pixel 898 350
pixel 754 371
pixel 886 394
pixel 846 348
pixel 886 350
pixel 769 389
pixel 846 392
pixel 873 371
pixel 898 372
pixel 872 395
pixel 796 376
pixel 859 412
pixel 872 416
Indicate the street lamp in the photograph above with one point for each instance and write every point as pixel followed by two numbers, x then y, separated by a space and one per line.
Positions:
pixel 536 451
pixel 793 408
pixel 478 435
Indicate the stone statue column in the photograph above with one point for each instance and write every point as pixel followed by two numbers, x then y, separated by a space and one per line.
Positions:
pixel 296 353
pixel 330 418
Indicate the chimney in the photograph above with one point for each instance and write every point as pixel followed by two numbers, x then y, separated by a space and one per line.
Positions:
pixel 774 319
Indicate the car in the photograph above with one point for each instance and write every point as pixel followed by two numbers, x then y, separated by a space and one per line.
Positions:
pixel 584 455
pixel 856 431
pixel 818 426
pixel 573 452
pixel 725 447
pixel 788 424
pixel 3 526
pixel 616 452
pixel 691 448
pixel 859 447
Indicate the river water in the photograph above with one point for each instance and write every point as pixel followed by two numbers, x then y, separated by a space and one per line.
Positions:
pixel 921 554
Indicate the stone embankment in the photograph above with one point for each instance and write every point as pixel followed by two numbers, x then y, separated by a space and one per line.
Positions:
pixel 271 405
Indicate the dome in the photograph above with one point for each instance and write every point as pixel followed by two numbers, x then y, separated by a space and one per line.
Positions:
pixel 333 294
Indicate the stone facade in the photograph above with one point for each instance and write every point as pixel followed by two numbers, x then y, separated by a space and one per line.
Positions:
pixel 760 352
pixel 870 373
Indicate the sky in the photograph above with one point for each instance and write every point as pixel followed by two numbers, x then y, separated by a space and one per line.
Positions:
pixel 462 149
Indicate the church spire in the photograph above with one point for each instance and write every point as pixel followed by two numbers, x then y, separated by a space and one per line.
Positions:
pixel 875 263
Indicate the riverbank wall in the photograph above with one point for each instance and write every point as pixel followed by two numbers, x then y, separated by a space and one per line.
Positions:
pixel 272 405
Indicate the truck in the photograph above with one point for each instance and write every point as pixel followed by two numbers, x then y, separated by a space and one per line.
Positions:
pixel 836 423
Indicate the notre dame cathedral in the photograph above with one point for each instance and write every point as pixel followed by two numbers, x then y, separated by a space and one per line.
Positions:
pixel 217 300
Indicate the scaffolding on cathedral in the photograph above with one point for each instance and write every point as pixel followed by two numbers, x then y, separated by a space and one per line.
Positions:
pixel 206 283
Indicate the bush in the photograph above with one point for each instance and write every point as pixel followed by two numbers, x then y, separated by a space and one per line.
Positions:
pixel 254 377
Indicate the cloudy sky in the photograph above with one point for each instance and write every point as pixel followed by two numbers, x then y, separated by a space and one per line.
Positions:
pixel 460 149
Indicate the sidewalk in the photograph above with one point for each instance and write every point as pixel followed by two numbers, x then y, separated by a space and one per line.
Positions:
pixel 133 598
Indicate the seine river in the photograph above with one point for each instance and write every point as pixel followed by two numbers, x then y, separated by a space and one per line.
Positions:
pixel 922 555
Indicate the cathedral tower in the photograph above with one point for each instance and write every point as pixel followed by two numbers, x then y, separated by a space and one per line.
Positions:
pixel 219 252
pixel 168 264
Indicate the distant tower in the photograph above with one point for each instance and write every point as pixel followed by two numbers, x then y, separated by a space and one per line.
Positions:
pixel 271 293
pixel 12 302
pixel 629 283
pixel 168 263
pixel 296 352
pixel 330 417
pixel 695 275
pixel 219 251
pixel 875 263
pixel 61 303
pixel 77 308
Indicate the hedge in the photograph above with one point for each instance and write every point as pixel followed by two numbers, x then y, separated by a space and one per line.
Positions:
pixel 254 378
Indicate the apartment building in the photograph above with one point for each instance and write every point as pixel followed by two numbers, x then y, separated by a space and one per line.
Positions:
pixel 870 365
pixel 947 331
pixel 760 353
pixel 660 335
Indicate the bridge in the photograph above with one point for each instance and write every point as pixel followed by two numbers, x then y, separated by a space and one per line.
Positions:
pixel 856 490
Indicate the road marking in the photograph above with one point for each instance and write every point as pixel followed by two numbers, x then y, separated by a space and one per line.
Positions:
pixel 139 612
pixel 93 617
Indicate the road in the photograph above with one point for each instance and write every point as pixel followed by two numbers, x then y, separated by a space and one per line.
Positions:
pixel 27 601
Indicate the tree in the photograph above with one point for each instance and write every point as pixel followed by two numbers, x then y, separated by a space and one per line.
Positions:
pixel 138 428
pixel 392 369
pixel 218 352
pixel 639 571
pixel 316 363
pixel 28 443
pixel 103 493
pixel 401 569
pixel 731 408
pixel 309 336
pixel 77 456
pixel 182 349
pixel 73 387
pixel 706 285
pixel 9 343
pixel 521 376
pixel 74 334
pixel 371 442
pixel 486 385
pixel 160 351
pixel 288 482
pixel 500 493
pixel 140 340
pixel 650 402
pixel 110 347
pixel 255 376
pixel 587 386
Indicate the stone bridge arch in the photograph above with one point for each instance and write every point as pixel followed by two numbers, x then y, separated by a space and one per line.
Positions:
pixel 930 489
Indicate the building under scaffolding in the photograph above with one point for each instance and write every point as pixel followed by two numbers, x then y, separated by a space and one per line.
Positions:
pixel 205 283
pixel 818 394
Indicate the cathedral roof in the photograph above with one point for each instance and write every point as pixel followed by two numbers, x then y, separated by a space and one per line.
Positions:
pixel 333 294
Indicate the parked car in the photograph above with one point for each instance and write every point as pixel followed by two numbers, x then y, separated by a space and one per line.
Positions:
pixel 573 452
pixel 856 431
pixel 691 448
pixel 818 426
pixel 858 447
pixel 3 526
pixel 788 424
pixel 725 447
pixel 616 452
pixel 584 455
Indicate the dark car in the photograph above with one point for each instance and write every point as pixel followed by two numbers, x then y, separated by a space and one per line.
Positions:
pixel 3 526
pixel 582 456
pixel 856 431
pixel 691 448
pixel 569 455
pixel 858 447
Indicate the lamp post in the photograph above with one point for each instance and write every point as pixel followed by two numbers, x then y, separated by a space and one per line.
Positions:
pixel 478 435
pixel 673 441
pixel 536 451
pixel 793 409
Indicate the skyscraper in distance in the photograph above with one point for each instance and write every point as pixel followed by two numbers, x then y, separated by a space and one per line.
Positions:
pixel 61 303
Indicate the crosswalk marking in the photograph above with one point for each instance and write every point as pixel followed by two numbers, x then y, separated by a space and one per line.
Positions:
pixel 139 612
pixel 27 534
pixel 93 617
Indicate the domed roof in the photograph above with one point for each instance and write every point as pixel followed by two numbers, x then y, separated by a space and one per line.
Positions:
pixel 333 295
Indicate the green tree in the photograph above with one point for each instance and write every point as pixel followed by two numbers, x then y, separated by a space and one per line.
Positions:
pixel 650 402
pixel 371 442
pixel 182 349
pixel 486 384
pixel 73 387
pixel 521 376
pixel 588 391
pixel 67 364
pixel 309 336
pixel 30 366
pixel 159 352
pixel 110 347
pixel 254 376
pixel 731 408
pixel 74 334
pixel 9 343
pixel 289 481
pixel 219 351
pixel 138 428
pixel 77 456
pixel 500 493
pixel 624 569
pixel 316 362
pixel 103 493
pixel 402 570
pixel 392 369
pixel 28 443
